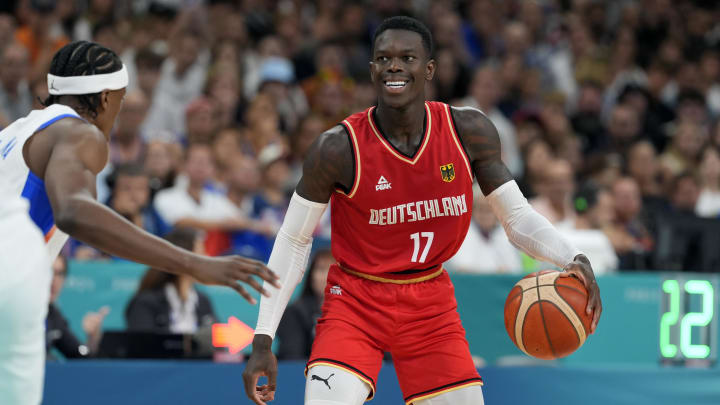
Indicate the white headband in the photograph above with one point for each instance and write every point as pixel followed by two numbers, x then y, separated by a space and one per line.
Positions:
pixel 58 85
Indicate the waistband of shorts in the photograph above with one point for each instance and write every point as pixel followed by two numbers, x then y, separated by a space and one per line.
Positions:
pixel 399 277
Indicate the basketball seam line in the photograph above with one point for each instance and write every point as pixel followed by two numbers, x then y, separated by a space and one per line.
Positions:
pixel 546 285
pixel 542 316
pixel 574 311
pixel 517 313
pixel 566 317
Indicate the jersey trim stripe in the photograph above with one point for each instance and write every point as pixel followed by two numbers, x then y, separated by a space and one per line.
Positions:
pixel 40 209
pixel 441 390
pixel 413 280
pixel 389 147
pixel 50 234
pixel 59 117
pixel 358 166
pixel 456 139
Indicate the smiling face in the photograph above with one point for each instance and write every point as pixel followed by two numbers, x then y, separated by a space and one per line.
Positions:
pixel 400 67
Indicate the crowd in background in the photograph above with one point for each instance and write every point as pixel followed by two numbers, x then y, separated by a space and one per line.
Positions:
pixel 607 112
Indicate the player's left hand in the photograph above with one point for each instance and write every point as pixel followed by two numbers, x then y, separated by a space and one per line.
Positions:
pixel 581 269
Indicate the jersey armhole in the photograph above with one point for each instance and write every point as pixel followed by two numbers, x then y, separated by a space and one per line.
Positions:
pixel 458 140
pixel 340 188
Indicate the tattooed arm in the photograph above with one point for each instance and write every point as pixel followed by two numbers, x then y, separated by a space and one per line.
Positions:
pixel 526 229
pixel 328 164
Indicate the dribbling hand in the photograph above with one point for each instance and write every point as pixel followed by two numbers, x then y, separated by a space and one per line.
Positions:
pixel 581 269
pixel 230 270
pixel 262 362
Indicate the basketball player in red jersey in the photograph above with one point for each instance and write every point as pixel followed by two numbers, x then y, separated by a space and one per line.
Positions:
pixel 399 176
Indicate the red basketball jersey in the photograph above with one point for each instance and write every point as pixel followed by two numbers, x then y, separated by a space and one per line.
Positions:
pixel 403 212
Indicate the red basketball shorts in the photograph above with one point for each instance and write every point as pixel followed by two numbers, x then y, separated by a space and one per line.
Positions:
pixel 417 322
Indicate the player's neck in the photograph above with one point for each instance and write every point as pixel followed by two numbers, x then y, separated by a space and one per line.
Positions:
pixel 401 123
pixel 82 112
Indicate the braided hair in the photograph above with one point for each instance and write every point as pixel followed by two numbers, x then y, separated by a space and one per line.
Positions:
pixel 83 58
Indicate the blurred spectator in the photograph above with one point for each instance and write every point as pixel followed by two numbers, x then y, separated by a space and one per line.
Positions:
pixel 15 94
pixel 658 113
pixel 130 197
pixel 297 326
pixel 555 190
pixel 160 166
pixel 708 204
pixel 41 35
pixel 451 76
pixel 309 129
pixel 271 200
pixel 536 155
pixel 691 107
pixel 486 248
pixel 684 150
pixel 485 92
pixel 586 121
pixel 57 332
pixel 595 213
pixel 685 191
pixel 276 80
pixel 98 11
pixel 127 144
pixel 200 120
pixel 182 79
pixel 226 150
pixel 631 239
pixel 169 303
pixel 710 76
pixel 643 166
pixel 192 204
pixel 243 183
pixel 147 64
pixel 262 124
pixel 623 128
pixel 223 88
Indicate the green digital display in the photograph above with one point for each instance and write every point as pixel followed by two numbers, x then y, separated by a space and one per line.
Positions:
pixel 688 325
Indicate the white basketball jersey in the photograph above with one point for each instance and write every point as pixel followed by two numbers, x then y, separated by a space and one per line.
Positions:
pixel 18 180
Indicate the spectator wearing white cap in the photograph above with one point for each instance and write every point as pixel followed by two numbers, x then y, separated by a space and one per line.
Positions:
pixel 277 79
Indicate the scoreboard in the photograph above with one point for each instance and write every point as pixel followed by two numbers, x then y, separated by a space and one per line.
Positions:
pixel 688 317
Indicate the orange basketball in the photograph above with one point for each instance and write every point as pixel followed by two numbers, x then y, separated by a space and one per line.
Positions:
pixel 545 315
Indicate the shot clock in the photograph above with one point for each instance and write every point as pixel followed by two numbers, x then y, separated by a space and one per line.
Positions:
pixel 688 318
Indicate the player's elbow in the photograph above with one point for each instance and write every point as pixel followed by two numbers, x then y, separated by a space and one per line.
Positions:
pixel 67 216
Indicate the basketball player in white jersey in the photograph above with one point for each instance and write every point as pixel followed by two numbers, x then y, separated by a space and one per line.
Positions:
pixel 51 158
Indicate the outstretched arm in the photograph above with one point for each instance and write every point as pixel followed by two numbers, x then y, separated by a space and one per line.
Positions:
pixel 76 153
pixel 327 165
pixel 526 229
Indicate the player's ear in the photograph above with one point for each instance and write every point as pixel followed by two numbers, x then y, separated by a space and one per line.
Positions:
pixel 430 69
pixel 104 99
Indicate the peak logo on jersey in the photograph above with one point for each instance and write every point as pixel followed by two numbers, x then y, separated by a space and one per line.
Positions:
pixel 382 184
pixel 336 290
pixel 447 172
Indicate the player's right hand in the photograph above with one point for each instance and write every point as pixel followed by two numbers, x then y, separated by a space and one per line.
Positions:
pixel 262 362
pixel 230 270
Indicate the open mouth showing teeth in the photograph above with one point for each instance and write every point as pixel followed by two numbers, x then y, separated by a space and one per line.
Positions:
pixel 396 84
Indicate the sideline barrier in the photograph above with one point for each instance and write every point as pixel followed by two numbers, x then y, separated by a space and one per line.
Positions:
pixel 628 333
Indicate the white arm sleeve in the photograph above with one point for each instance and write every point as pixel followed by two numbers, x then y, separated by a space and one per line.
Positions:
pixel 288 260
pixel 527 229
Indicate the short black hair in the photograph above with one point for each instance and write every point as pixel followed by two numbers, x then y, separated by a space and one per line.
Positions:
pixel 408 24
pixel 83 58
